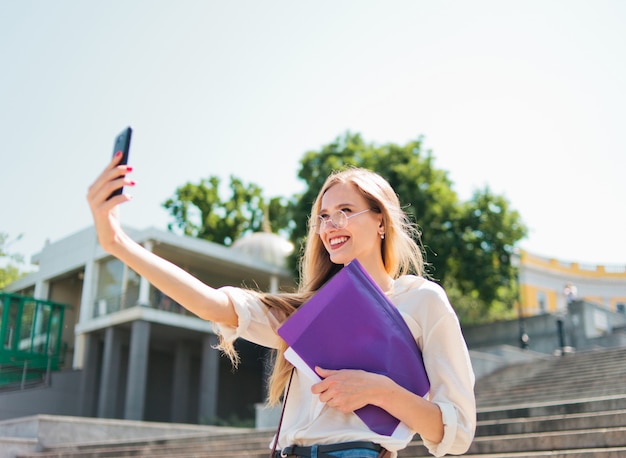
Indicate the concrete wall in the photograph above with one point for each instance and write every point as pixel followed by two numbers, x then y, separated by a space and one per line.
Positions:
pixel 491 358
pixel 585 326
pixel 68 291
pixel 30 434
pixel 60 398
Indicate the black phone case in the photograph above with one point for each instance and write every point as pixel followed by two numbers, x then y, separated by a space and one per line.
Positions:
pixel 122 143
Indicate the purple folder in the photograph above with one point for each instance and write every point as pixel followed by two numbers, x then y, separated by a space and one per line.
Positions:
pixel 351 324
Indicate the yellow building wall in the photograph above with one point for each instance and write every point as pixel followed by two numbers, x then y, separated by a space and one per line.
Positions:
pixel 554 275
pixel 617 300
pixel 572 269
pixel 594 299
pixel 530 304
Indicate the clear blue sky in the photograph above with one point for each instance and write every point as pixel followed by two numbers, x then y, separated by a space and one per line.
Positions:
pixel 527 98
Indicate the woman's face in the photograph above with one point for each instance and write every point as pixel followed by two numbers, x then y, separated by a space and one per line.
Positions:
pixel 360 239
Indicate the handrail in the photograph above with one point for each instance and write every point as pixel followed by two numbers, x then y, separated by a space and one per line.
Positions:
pixel 30 337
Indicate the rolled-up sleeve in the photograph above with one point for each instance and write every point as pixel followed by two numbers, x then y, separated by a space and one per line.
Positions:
pixel 255 322
pixel 450 371
pixel 448 366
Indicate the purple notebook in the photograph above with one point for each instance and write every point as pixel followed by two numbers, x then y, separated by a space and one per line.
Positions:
pixel 351 324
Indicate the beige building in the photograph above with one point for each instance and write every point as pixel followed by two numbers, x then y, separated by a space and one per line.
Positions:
pixel 546 285
pixel 130 352
pixel 133 353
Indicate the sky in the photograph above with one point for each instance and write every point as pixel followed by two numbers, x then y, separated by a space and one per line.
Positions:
pixel 526 98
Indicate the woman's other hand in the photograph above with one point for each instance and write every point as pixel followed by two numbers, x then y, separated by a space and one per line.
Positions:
pixel 348 390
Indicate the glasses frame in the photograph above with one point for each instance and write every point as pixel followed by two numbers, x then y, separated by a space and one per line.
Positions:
pixel 322 221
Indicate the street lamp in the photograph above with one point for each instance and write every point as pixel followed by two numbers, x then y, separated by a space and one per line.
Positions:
pixel 524 338
pixel 569 292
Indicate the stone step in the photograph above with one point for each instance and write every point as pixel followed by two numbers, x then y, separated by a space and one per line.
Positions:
pixel 534 397
pixel 569 422
pixel 611 361
pixel 593 378
pixel 569 418
pixel 590 378
pixel 117 453
pixel 533 394
pixel 553 440
pixel 524 444
pixel 240 443
pixel 609 452
pixel 581 361
pixel 542 409
pixel 502 442
pixel 587 377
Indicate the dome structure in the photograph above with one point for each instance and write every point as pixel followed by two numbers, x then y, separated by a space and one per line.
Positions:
pixel 266 246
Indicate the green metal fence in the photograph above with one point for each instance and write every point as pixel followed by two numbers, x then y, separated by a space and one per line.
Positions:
pixel 30 338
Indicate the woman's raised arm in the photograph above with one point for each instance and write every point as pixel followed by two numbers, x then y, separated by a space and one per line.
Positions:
pixel 191 293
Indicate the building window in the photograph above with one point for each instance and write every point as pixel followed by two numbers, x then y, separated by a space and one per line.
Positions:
pixel 118 287
pixel 542 302
pixel 28 292
pixel 621 307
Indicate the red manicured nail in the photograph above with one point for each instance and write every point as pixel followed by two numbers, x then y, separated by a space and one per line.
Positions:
pixel 129 169
pixel 118 154
pixel 132 183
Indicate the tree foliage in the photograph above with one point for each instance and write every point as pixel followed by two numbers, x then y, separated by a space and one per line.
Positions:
pixel 486 233
pixel 9 262
pixel 198 210
pixel 467 245
pixel 424 191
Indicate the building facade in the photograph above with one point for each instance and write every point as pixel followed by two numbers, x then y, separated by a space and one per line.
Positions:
pixel 547 285
pixel 140 355
pixel 134 353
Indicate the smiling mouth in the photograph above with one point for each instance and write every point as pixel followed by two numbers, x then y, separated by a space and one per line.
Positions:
pixel 336 241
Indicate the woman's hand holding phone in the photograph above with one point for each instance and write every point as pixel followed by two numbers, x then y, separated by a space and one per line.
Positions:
pixel 104 196
pixel 196 296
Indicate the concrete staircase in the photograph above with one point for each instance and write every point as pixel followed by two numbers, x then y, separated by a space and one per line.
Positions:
pixel 249 443
pixel 572 406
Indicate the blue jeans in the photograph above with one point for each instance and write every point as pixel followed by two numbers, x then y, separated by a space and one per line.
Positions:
pixel 352 453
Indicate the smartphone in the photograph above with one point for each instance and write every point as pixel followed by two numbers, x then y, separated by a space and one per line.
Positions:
pixel 122 143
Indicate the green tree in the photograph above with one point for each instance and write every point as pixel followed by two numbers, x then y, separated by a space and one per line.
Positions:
pixel 486 233
pixel 198 210
pixel 9 262
pixel 467 245
pixel 425 191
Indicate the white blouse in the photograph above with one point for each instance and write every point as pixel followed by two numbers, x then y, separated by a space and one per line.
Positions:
pixel 435 326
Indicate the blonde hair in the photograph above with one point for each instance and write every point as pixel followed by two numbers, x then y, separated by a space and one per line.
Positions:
pixel 400 252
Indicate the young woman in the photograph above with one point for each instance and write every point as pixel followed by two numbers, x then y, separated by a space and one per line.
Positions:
pixel 356 215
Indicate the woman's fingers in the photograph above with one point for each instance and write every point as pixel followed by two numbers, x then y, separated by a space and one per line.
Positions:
pixel 347 390
pixel 112 178
pixel 100 191
pixel 104 205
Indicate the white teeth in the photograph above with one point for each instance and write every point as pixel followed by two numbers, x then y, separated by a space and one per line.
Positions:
pixel 338 240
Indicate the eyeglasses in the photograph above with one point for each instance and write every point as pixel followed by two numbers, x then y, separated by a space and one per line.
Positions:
pixel 338 219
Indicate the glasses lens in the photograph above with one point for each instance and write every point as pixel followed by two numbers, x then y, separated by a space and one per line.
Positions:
pixel 340 220
pixel 321 222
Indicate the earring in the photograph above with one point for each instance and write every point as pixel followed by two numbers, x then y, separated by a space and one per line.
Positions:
pixel 382 236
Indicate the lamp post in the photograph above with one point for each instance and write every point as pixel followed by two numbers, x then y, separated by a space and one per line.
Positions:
pixel 559 329
pixel 569 293
pixel 524 338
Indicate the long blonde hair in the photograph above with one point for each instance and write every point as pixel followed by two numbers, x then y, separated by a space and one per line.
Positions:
pixel 400 252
